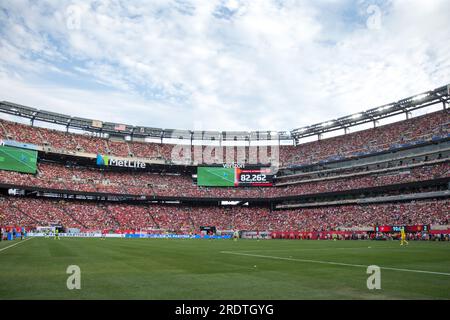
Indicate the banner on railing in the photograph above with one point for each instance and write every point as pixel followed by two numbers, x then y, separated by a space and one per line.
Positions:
pixel 130 235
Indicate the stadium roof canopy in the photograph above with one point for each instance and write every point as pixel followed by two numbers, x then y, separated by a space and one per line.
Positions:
pixel 439 95
pixel 406 105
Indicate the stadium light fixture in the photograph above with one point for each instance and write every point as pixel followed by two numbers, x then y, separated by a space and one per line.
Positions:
pixel 420 97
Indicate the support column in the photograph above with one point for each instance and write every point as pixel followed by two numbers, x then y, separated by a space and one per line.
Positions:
pixel 408 114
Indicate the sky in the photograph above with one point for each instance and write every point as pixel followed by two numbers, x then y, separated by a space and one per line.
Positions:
pixel 220 64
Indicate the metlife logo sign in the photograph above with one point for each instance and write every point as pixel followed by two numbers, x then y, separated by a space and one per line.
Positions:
pixel 103 160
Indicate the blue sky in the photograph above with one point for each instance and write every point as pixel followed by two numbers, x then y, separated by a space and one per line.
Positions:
pixel 220 65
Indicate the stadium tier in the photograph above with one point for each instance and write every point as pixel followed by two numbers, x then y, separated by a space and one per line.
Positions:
pixel 431 127
pixel 397 173
pixel 57 176
pixel 184 219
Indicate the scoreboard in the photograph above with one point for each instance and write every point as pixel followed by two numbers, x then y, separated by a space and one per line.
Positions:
pixel 260 177
pixel 18 159
pixel 413 228
pixel 234 176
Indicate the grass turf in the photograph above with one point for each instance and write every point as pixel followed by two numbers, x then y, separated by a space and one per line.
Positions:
pixel 198 269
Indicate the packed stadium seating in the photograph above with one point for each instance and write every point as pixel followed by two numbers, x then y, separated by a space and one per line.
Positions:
pixel 374 180
pixel 57 176
pixel 96 216
pixel 85 216
pixel 423 128
pixel 419 129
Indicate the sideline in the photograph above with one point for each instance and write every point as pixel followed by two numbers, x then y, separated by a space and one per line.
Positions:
pixel 15 244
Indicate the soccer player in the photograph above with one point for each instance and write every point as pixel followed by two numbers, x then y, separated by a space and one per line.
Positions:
pixel 56 234
pixel 236 235
pixel 403 237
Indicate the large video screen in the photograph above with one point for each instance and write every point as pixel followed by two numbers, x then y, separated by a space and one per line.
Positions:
pixel 234 177
pixel 16 159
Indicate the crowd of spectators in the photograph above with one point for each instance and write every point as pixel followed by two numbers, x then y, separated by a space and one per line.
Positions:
pixel 422 128
pixel 75 178
pixel 179 218
pixel 422 173
pixel 350 216
pixel 323 172
pixel 112 216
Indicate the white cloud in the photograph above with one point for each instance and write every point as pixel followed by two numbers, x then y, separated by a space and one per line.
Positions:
pixel 232 65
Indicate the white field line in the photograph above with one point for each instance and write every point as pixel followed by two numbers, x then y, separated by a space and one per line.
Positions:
pixel 331 248
pixel 320 249
pixel 332 263
pixel 15 244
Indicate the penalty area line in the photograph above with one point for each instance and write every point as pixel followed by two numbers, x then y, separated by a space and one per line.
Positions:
pixel 15 244
pixel 332 263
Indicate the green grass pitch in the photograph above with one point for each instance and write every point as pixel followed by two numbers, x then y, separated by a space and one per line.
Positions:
pixel 215 176
pixel 223 269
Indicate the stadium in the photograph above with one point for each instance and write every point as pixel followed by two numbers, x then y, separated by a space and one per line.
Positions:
pixel 109 183
pixel 249 152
